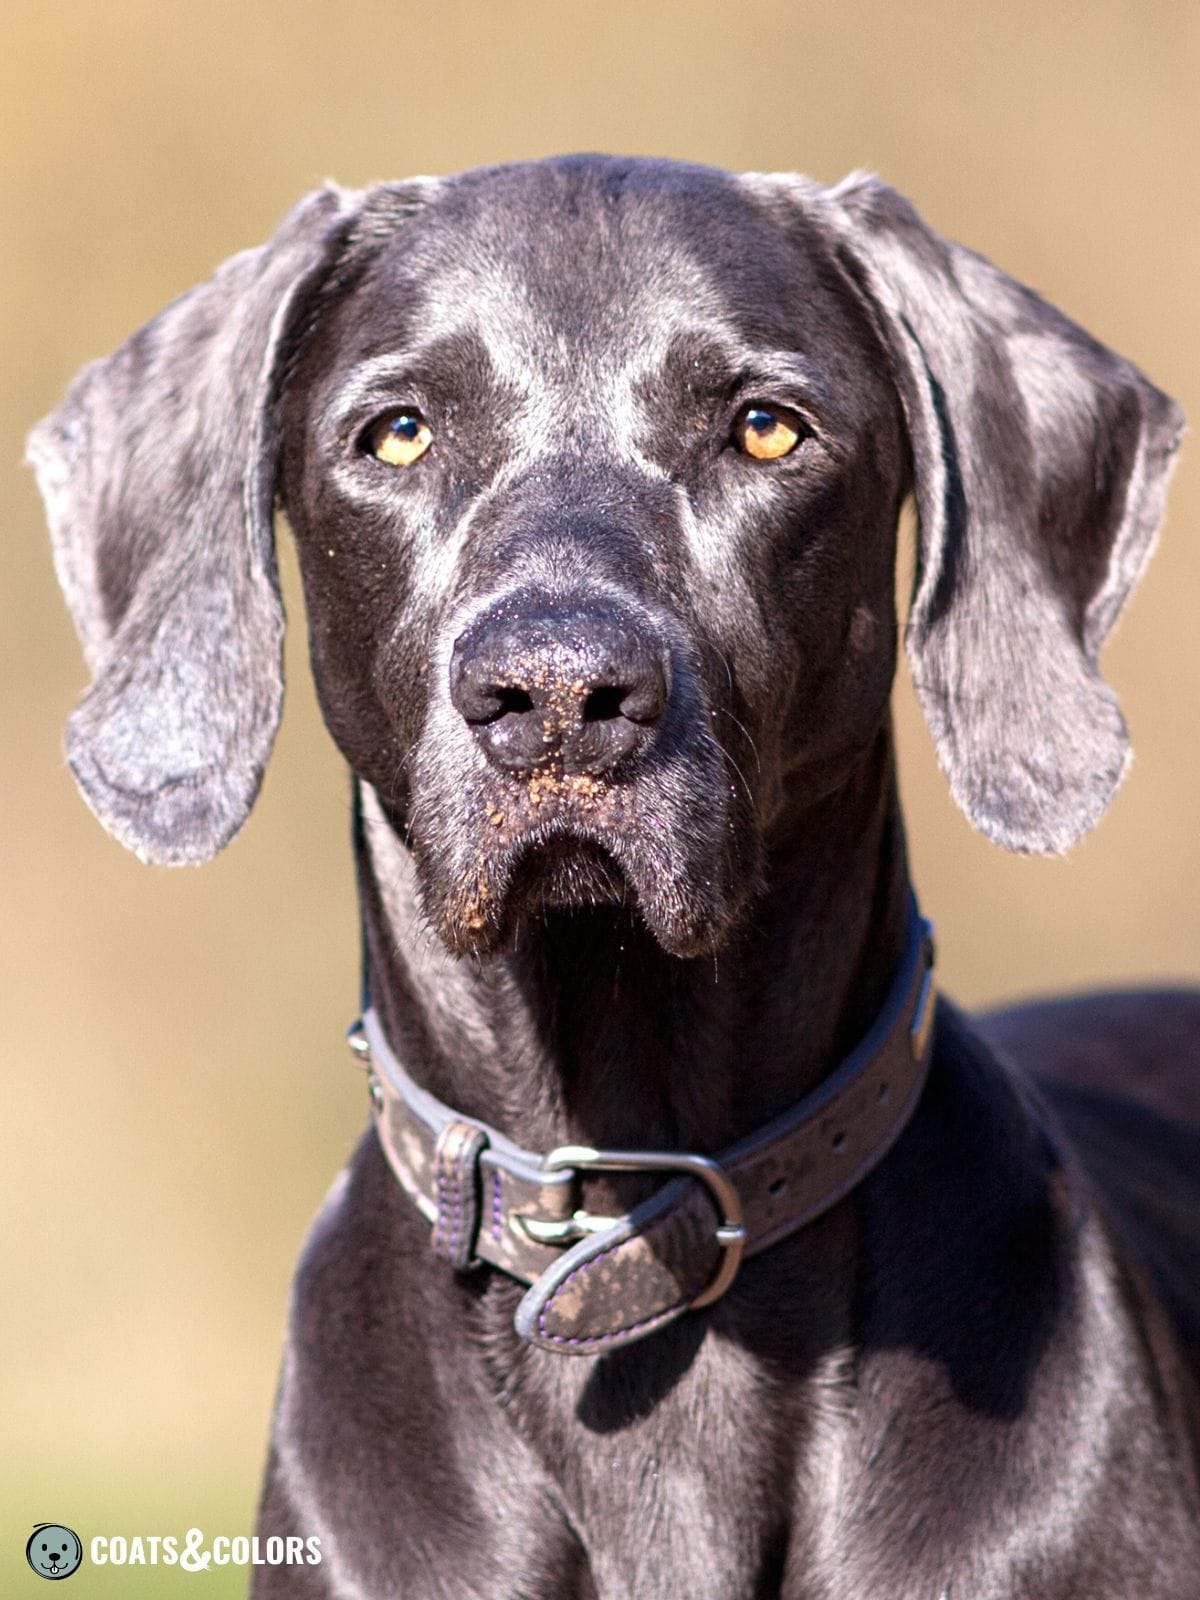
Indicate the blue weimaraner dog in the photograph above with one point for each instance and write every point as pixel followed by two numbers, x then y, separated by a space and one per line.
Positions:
pixel 692 1248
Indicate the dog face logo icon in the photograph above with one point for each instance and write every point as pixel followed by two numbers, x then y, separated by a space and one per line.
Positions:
pixel 53 1551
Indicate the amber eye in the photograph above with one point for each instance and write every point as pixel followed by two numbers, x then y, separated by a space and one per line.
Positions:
pixel 399 439
pixel 768 432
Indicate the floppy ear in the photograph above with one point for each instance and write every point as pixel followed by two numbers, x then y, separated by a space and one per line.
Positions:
pixel 158 473
pixel 1040 461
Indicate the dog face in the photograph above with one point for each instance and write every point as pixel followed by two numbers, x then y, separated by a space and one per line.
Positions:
pixel 594 468
pixel 584 643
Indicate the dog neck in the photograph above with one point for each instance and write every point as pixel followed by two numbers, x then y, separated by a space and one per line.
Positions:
pixel 588 1031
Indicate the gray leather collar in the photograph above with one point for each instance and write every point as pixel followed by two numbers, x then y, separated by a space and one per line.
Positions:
pixel 600 1282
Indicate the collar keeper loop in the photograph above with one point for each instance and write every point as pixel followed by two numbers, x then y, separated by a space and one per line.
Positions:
pixel 456 1191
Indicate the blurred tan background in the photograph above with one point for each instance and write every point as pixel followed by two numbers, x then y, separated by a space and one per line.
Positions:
pixel 177 1095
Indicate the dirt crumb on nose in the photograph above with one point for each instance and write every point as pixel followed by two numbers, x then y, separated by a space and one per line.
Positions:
pixel 586 788
pixel 554 784
pixel 543 786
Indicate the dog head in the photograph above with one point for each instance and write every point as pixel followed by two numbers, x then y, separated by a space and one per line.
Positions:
pixel 594 468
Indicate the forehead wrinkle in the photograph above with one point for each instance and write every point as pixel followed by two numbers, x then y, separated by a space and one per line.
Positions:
pixel 608 312
pixel 492 303
pixel 585 376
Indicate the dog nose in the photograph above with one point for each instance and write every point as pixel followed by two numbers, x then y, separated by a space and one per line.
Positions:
pixel 579 687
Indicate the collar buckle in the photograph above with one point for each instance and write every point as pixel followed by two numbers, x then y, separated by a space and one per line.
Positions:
pixel 731 1229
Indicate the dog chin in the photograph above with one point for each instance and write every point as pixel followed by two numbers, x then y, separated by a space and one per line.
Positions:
pixel 571 872
pixel 566 874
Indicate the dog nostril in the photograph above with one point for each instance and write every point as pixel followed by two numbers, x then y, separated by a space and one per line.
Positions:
pixel 512 701
pixel 645 699
pixel 604 703
pixel 486 703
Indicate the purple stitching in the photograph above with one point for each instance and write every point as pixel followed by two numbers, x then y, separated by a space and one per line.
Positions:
pixel 497 1204
pixel 458 1195
pixel 440 1186
pixel 457 1207
pixel 439 1178
pixel 456 1215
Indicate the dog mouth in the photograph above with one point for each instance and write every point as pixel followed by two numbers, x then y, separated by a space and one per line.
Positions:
pixel 558 865
pixel 565 873
pixel 531 854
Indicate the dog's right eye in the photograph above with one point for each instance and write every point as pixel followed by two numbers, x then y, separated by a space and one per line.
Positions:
pixel 398 439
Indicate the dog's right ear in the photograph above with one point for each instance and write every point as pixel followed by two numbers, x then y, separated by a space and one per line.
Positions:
pixel 158 472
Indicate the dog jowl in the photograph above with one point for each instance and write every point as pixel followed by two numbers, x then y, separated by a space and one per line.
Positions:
pixel 594 469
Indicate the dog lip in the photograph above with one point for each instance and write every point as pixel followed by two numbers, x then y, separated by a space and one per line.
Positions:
pixel 572 848
pixel 568 865
pixel 559 868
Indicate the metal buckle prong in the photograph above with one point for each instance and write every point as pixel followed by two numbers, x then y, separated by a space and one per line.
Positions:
pixel 567 1230
pixel 731 1230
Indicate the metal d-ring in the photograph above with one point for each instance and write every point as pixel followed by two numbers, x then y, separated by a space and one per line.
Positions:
pixel 731 1230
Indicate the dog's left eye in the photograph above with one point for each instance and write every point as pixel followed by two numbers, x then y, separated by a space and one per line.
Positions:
pixel 399 439
pixel 768 432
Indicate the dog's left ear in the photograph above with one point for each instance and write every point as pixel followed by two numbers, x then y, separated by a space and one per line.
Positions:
pixel 1040 463
pixel 158 473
